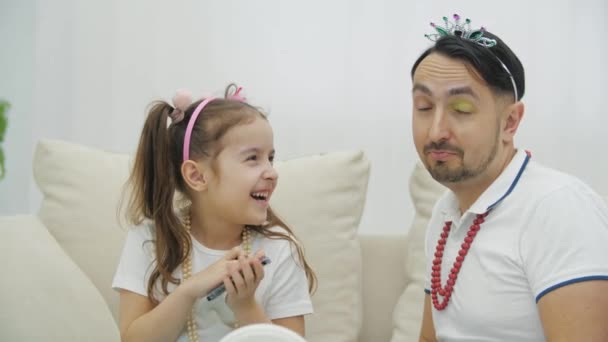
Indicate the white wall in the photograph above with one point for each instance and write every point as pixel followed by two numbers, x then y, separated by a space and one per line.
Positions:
pixel 16 86
pixel 333 75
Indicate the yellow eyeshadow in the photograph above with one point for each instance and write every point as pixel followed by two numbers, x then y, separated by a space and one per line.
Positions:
pixel 462 106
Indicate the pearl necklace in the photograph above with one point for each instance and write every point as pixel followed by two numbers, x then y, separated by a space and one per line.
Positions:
pixel 187 272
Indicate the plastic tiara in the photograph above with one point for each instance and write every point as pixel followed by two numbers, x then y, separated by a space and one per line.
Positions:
pixel 463 30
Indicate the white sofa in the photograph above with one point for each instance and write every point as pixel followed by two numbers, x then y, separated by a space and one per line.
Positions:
pixel 61 261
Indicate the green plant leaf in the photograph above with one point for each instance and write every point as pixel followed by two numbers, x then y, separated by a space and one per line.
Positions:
pixel 3 124
pixel 4 106
pixel 1 163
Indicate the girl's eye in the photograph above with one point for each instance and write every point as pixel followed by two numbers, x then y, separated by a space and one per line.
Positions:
pixel 271 159
pixel 252 157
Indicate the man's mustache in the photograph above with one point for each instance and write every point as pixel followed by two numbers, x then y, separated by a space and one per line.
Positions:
pixel 443 146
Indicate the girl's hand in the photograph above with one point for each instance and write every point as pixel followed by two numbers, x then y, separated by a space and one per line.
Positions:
pixel 242 281
pixel 201 283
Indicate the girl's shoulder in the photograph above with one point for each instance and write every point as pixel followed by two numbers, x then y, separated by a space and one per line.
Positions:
pixel 144 231
pixel 278 229
pixel 139 241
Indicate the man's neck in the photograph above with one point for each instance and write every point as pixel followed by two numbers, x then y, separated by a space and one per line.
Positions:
pixel 469 191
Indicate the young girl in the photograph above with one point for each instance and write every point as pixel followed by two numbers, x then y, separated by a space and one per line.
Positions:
pixel 217 155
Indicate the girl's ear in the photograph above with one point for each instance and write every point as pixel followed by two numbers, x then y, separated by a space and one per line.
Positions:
pixel 194 174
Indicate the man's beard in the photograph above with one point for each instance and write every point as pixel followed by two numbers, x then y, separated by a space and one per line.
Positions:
pixel 442 172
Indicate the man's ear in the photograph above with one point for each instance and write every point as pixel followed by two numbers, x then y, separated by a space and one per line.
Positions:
pixel 194 174
pixel 513 116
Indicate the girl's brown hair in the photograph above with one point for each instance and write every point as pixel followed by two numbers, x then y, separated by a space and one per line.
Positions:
pixel 156 178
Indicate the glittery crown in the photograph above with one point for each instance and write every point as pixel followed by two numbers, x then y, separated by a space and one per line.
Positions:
pixel 462 30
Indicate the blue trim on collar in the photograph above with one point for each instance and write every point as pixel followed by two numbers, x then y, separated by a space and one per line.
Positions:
pixel 571 281
pixel 514 183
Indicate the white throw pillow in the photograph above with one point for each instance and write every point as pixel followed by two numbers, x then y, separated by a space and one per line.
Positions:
pixel 407 316
pixel 43 294
pixel 82 187
pixel 321 197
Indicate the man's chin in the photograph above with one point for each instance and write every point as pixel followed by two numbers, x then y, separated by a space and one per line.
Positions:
pixel 440 168
pixel 443 174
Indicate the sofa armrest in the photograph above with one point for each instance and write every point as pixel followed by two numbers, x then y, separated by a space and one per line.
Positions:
pixel 383 283
pixel 44 295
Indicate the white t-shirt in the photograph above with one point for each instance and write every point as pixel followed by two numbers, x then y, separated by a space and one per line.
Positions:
pixel 546 230
pixel 282 293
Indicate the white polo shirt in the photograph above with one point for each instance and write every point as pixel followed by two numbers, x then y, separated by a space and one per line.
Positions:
pixel 546 229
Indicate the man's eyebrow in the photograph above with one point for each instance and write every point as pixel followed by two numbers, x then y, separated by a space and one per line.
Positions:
pixel 466 90
pixel 422 88
pixel 463 91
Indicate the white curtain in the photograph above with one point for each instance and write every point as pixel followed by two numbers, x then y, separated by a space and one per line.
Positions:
pixel 332 74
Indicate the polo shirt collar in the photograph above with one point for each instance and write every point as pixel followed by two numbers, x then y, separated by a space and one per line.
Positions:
pixel 497 191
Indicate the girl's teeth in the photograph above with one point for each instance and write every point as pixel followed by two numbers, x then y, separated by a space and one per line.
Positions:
pixel 260 195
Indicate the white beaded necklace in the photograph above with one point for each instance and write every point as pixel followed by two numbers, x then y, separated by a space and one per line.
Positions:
pixel 187 271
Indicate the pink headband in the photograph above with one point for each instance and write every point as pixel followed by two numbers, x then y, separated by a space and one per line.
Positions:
pixel 191 123
pixel 236 96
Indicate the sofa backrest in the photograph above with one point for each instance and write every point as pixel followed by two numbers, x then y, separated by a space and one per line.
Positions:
pixel 321 197
pixel 424 191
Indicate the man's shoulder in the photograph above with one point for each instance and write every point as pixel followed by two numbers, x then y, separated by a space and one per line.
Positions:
pixel 541 180
pixel 551 187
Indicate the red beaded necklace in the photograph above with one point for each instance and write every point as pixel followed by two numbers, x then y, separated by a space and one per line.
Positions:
pixel 446 291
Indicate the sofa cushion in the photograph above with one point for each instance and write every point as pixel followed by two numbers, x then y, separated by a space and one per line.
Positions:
pixel 383 257
pixel 44 295
pixel 407 316
pixel 321 197
pixel 81 189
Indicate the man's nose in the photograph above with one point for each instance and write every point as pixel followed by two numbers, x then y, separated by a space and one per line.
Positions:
pixel 440 126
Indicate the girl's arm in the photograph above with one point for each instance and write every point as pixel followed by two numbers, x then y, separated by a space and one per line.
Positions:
pixel 295 323
pixel 141 321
